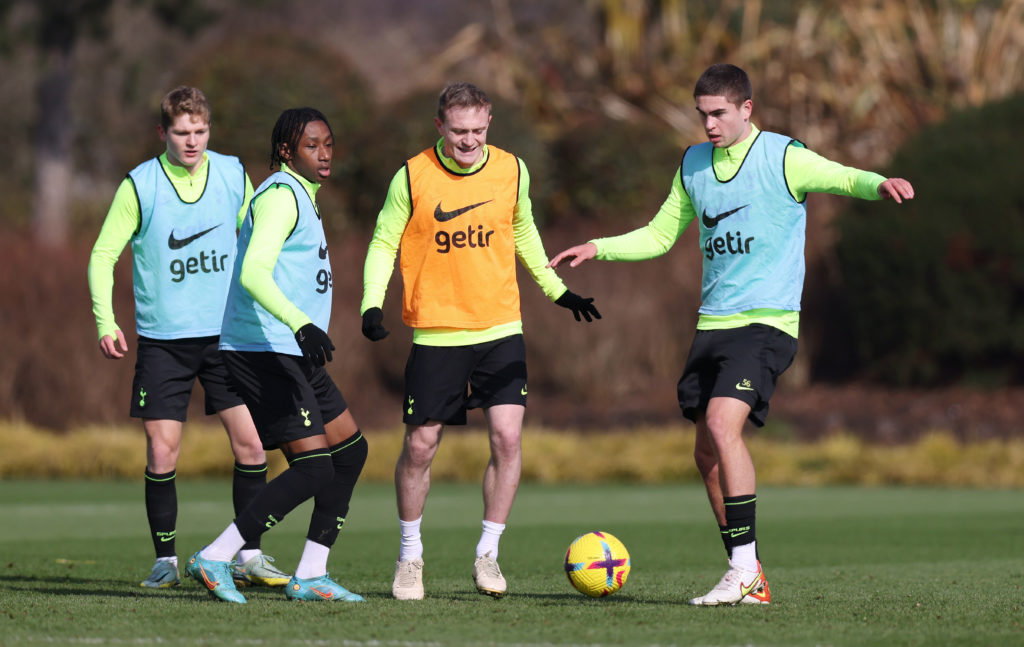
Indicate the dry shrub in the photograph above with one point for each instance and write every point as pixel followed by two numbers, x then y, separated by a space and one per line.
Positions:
pixel 936 458
pixel 106 452
pixel 53 373
pixel 854 76
pixel 643 455
pixel 55 377
pixel 616 371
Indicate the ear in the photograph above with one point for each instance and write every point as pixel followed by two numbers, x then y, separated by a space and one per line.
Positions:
pixel 163 133
pixel 440 126
pixel 284 151
pixel 747 108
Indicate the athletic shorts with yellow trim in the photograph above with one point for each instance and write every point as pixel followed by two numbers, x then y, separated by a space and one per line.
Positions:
pixel 443 382
pixel 742 363
pixel 289 397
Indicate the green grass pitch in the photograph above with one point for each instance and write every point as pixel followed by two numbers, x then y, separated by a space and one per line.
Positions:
pixel 847 566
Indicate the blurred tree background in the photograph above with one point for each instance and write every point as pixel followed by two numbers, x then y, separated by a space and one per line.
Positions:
pixel 596 97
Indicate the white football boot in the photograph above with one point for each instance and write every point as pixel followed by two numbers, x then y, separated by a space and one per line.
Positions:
pixel 408 583
pixel 735 586
pixel 488 577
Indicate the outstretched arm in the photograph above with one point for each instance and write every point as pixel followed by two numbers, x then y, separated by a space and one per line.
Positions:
pixel 649 241
pixel 808 172
pixel 896 188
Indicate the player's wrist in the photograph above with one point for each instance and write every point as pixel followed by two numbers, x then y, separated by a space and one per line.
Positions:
pixel 297 324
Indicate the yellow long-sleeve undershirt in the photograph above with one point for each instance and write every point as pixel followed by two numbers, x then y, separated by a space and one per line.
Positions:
pixel 122 222
pixel 383 249
pixel 806 172
pixel 274 216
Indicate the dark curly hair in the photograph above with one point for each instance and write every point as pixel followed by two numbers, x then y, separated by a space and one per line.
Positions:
pixel 288 131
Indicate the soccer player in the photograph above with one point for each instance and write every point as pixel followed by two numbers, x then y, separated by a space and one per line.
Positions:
pixel 180 211
pixel 745 188
pixel 461 213
pixel 275 346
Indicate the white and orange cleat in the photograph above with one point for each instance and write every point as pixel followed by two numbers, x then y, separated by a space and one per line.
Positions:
pixel 735 587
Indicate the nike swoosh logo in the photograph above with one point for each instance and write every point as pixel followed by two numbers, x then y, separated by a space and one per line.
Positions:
pixel 740 387
pixel 747 590
pixel 711 222
pixel 323 250
pixel 327 595
pixel 210 584
pixel 166 539
pixel 444 216
pixel 733 534
pixel 176 243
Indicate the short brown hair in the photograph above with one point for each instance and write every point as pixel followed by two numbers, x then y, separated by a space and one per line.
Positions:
pixel 183 100
pixel 461 95
pixel 724 80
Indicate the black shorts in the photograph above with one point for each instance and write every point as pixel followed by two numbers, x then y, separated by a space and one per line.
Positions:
pixel 741 363
pixel 166 370
pixel 436 379
pixel 288 396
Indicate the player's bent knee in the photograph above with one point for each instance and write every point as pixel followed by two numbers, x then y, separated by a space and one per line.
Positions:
pixel 311 472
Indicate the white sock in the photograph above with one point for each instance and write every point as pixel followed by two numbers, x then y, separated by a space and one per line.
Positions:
pixel 225 546
pixel 489 538
pixel 172 559
pixel 745 556
pixel 313 562
pixel 246 555
pixel 412 543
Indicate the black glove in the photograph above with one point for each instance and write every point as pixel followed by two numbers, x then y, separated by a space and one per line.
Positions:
pixel 372 329
pixel 578 305
pixel 314 344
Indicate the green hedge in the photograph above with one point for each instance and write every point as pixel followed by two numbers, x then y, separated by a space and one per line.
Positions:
pixel 934 288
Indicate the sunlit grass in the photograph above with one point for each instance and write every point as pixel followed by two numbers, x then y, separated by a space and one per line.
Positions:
pixel 848 567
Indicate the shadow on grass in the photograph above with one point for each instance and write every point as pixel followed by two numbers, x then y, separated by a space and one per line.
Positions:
pixel 577 598
pixel 541 598
pixel 91 586
pixel 60 579
pixel 113 592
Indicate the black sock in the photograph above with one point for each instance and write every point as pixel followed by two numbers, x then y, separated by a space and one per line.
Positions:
pixel 248 481
pixel 725 540
pixel 331 504
pixel 307 473
pixel 162 511
pixel 739 521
